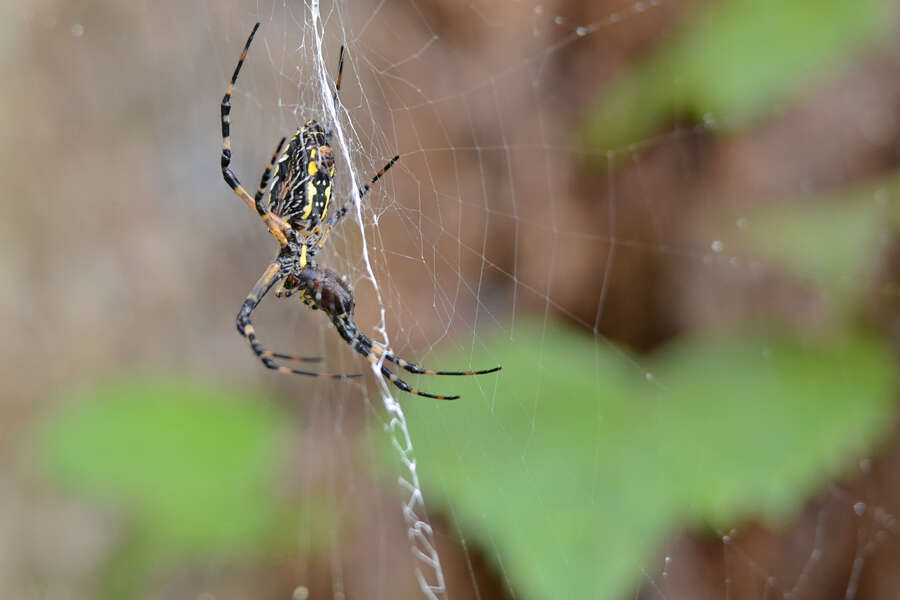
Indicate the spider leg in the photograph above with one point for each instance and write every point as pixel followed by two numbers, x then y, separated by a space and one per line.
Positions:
pixel 333 220
pixel 329 130
pixel 264 182
pixel 414 368
pixel 378 350
pixel 362 344
pixel 277 226
pixel 337 216
pixel 378 175
pixel 337 85
pixel 296 358
pixel 230 178
pixel 269 278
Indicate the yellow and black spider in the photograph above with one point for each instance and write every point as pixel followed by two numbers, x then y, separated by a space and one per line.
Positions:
pixel 294 210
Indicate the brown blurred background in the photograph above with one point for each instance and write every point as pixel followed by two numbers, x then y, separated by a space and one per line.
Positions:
pixel 125 252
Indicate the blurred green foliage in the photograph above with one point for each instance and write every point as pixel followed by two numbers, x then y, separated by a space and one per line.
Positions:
pixel 835 242
pixel 729 63
pixel 573 466
pixel 189 467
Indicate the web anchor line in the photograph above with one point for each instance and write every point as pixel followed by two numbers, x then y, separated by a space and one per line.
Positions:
pixel 419 531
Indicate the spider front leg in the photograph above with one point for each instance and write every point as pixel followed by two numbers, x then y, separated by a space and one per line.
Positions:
pixel 342 211
pixel 264 181
pixel 277 226
pixel 269 278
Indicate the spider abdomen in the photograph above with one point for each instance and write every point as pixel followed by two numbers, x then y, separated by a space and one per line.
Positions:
pixel 304 175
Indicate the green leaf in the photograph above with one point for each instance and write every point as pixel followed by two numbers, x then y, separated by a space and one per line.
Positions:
pixel 833 242
pixel 190 464
pixel 763 421
pixel 573 466
pixel 731 63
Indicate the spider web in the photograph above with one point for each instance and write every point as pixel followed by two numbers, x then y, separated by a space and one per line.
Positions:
pixel 432 245
pixel 672 222
pixel 441 253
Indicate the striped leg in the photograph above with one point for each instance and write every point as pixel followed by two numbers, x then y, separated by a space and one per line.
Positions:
pixel 297 358
pixel 277 226
pixel 413 368
pixel 362 344
pixel 378 351
pixel 230 178
pixel 364 189
pixel 333 220
pixel 269 278
pixel 264 182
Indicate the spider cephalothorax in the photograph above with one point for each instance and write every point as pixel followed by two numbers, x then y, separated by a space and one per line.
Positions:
pixel 294 201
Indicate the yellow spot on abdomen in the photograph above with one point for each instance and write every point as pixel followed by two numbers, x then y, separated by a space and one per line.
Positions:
pixel 310 196
pixel 327 200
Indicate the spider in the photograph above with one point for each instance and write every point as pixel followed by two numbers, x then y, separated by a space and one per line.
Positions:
pixel 295 210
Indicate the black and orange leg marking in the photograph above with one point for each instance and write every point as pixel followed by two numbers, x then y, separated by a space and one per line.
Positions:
pixel 277 226
pixel 334 219
pixel 414 368
pixel 312 359
pixel 269 278
pixel 364 189
pixel 264 181
pixel 230 178
pixel 379 351
pixel 362 344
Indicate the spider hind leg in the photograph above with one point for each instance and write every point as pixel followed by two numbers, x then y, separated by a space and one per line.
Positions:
pixel 362 344
pixel 414 368
pixel 245 327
